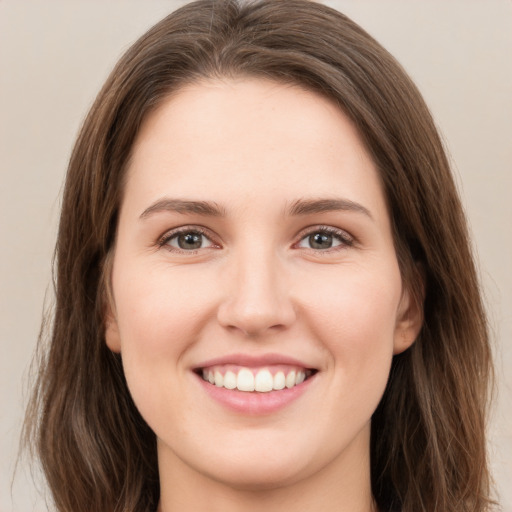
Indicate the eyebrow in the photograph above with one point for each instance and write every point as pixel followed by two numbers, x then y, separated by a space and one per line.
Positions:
pixel 207 208
pixel 212 209
pixel 311 206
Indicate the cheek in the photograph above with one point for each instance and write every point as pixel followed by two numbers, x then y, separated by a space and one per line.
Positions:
pixel 158 309
pixel 354 314
pixel 352 318
pixel 160 315
pixel 356 300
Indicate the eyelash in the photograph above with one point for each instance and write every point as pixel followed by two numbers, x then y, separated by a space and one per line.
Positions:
pixel 165 239
pixel 343 237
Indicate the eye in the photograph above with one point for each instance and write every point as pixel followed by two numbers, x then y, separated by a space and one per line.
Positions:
pixel 325 238
pixel 186 240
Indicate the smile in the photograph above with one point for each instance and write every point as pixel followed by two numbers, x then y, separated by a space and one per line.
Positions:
pixel 260 380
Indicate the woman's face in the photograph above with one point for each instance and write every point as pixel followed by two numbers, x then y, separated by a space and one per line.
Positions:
pixel 254 250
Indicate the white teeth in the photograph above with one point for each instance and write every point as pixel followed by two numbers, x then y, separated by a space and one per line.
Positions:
pixel 263 381
pixel 279 381
pixel 219 379
pixel 230 380
pixel 290 380
pixel 245 380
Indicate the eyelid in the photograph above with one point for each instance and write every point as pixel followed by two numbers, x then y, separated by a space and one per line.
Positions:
pixel 168 235
pixel 347 240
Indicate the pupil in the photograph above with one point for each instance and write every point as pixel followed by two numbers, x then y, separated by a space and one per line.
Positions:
pixel 190 241
pixel 320 241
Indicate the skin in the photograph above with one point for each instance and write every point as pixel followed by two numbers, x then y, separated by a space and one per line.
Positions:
pixel 256 286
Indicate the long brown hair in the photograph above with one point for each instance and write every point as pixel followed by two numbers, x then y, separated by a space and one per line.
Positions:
pixel 427 446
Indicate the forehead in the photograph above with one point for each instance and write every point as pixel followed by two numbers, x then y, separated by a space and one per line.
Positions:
pixel 250 136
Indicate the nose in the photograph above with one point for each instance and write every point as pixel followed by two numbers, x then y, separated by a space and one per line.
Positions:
pixel 258 298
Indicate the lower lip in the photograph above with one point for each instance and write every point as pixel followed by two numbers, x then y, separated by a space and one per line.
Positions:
pixel 255 403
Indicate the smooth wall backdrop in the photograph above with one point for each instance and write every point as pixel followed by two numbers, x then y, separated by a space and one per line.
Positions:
pixel 54 56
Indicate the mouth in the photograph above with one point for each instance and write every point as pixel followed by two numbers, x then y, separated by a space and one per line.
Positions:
pixel 255 385
pixel 255 379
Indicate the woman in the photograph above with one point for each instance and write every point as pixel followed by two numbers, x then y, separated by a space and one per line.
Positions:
pixel 257 303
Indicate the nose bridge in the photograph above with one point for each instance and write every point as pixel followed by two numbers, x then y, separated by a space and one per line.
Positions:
pixel 258 298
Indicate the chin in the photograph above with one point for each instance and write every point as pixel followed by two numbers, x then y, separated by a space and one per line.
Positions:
pixel 262 476
pixel 258 465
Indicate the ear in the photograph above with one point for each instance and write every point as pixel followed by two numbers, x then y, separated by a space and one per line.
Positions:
pixel 112 337
pixel 409 318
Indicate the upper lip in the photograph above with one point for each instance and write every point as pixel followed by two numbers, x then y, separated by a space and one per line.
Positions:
pixel 254 361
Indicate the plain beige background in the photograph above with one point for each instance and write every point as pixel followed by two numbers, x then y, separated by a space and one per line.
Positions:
pixel 54 56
